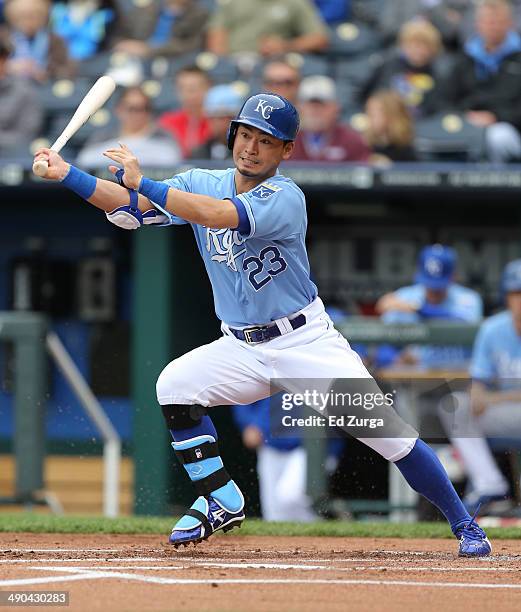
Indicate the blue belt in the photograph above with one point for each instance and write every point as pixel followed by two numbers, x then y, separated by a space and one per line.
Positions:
pixel 263 333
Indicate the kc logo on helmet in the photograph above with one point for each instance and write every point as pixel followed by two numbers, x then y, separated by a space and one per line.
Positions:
pixel 433 267
pixel 264 109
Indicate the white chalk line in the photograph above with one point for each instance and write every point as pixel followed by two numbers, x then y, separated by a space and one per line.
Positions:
pixel 88 560
pixel 48 579
pixel 267 564
pixel 60 550
pixel 259 560
pixel 406 568
pixel 296 566
pixel 401 553
pixel 88 574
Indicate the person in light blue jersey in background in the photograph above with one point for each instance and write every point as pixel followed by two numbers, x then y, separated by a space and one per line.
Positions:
pixel 493 407
pixel 434 295
pixel 250 226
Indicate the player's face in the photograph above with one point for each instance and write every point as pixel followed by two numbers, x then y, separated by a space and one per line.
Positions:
pixel 435 296
pixel 256 154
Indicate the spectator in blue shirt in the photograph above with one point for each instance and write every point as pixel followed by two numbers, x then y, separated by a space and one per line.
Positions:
pixel 87 27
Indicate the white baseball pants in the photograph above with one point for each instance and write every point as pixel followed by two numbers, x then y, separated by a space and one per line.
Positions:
pixel 230 371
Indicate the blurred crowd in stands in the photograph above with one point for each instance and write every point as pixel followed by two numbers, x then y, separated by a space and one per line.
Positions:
pixel 376 81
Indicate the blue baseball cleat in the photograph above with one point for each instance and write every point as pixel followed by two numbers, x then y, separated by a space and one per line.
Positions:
pixel 473 541
pixel 204 518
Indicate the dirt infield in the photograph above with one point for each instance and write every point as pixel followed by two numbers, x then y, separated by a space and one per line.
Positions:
pixel 233 573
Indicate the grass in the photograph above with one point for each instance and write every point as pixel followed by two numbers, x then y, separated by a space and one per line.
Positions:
pixel 44 523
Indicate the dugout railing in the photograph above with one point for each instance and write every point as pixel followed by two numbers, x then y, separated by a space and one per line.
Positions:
pixel 33 343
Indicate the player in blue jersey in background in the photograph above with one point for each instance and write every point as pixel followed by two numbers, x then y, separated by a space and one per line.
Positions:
pixel 250 224
pixel 493 407
pixel 434 296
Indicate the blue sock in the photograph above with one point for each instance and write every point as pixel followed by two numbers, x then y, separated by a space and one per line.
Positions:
pixel 228 495
pixel 424 472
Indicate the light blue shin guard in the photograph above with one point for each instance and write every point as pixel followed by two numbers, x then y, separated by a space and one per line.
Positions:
pixel 204 466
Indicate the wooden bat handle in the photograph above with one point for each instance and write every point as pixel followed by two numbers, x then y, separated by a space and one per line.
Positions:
pixel 40 167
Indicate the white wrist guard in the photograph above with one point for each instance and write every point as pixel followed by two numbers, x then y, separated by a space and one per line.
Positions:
pixel 129 219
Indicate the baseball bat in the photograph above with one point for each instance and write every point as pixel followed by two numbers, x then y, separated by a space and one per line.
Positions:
pixel 94 99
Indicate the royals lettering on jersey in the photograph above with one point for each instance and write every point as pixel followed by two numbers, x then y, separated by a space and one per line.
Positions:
pixel 225 245
pixel 261 274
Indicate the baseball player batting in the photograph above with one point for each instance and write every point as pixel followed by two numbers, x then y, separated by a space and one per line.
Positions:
pixel 250 226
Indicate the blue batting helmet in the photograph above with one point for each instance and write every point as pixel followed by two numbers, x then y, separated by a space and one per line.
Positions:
pixel 436 265
pixel 511 280
pixel 270 113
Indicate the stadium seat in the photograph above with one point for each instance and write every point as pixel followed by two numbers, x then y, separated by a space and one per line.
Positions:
pixel 95 66
pixel 312 64
pixel 63 95
pixel 162 93
pixel 448 137
pixel 353 38
pixel 346 95
pixel 103 118
pixel 354 72
pixel 356 118
pixel 220 69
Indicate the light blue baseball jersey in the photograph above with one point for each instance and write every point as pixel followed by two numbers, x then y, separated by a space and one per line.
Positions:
pixel 260 271
pixel 461 304
pixel 496 357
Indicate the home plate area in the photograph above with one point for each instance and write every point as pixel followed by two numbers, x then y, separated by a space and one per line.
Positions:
pixel 122 572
